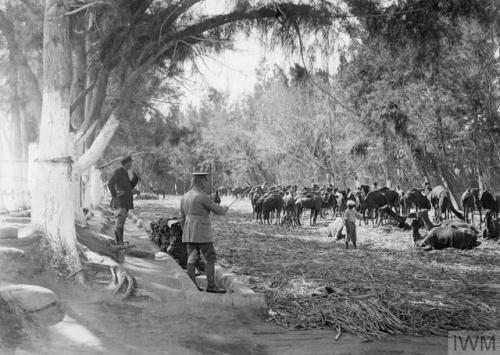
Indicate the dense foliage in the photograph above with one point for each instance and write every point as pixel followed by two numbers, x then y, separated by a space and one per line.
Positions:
pixel 435 64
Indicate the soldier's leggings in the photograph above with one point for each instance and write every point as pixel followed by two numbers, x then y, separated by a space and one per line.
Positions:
pixel 120 217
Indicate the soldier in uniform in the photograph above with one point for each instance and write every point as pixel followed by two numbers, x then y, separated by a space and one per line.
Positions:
pixel 120 186
pixel 196 206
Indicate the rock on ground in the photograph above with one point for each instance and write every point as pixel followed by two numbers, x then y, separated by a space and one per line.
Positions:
pixel 35 303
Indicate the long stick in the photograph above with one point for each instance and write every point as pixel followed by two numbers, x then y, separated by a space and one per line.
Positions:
pixel 231 203
pixel 118 159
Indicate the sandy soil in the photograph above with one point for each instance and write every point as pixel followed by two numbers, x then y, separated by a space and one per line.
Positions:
pixel 97 324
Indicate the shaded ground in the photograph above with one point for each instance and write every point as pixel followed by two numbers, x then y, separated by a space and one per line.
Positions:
pixel 266 257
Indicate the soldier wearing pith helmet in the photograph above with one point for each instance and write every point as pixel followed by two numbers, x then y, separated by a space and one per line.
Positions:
pixel 195 209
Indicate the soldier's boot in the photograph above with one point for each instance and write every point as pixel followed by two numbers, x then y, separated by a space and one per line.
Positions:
pixel 347 245
pixel 119 235
pixel 210 271
pixel 354 243
pixel 191 271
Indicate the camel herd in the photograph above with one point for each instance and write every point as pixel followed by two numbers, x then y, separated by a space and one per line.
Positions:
pixel 284 205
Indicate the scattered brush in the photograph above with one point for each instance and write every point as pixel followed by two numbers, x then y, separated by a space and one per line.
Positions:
pixel 368 292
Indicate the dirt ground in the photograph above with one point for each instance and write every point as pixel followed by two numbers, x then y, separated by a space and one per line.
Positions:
pixel 98 324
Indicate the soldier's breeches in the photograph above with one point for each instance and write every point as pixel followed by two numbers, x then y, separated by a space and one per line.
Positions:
pixel 206 249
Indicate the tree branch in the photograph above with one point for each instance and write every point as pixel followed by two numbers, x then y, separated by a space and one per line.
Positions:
pixel 79 100
pixel 119 158
pixel 84 7
pixel 175 13
pixel 99 145
pixel 269 11
pixel 81 136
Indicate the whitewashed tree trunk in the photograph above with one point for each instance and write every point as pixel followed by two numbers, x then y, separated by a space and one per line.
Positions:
pixel 78 196
pixel 78 189
pixel 53 204
pixel 86 201
pixel 83 167
pixel 24 157
pixel 18 166
pixel 96 191
pixel 100 143
pixel 32 169
pixel 3 166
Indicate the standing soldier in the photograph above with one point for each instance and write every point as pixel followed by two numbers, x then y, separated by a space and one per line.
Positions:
pixel 120 185
pixel 196 206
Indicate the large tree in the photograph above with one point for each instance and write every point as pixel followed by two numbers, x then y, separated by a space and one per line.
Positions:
pixel 95 57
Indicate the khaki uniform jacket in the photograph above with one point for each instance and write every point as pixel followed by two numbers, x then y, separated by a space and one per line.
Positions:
pixel 196 206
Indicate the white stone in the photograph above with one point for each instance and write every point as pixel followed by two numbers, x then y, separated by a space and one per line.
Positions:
pixel 38 303
pixel 27 232
pixel 7 252
pixel 161 256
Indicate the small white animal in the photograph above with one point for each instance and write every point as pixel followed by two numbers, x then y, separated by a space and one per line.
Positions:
pixel 335 228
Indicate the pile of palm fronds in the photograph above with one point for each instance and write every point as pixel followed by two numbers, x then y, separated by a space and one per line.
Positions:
pixel 369 292
pixel 379 310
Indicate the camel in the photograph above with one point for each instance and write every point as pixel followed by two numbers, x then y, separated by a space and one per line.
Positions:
pixel 485 201
pixel 416 198
pixel 441 202
pixel 468 204
pixel 272 203
pixel 404 221
pixel 329 202
pixel 391 196
pixel 449 236
pixel 313 203
pixel 373 201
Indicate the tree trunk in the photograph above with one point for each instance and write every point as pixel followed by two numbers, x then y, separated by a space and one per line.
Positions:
pixel 480 178
pixel 99 145
pixel 3 167
pixel 53 207
pixel 78 85
pixel 390 168
pixel 96 190
pixel 18 166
